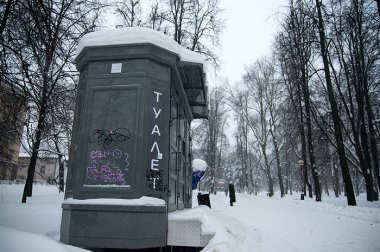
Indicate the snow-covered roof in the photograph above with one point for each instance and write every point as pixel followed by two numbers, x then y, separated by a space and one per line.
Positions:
pixel 137 35
pixel 26 155
pixel 190 65
pixel 199 165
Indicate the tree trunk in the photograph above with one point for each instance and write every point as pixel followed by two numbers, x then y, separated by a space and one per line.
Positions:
pixel 356 115
pixel 356 183
pixel 367 171
pixel 335 178
pixel 303 147
pixel 5 17
pixel 326 185
pixel 277 153
pixel 374 150
pixel 318 196
pixel 246 154
pixel 364 104
pixel 286 166
pixel 368 107
pixel 267 170
pixel 60 162
pixel 33 160
pixel 335 113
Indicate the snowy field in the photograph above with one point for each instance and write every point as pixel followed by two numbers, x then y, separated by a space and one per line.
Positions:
pixel 254 223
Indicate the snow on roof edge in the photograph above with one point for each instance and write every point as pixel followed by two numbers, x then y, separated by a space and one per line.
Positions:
pixel 143 201
pixel 137 35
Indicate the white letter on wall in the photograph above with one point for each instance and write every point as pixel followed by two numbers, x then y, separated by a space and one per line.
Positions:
pixel 156 130
pixel 156 113
pixel 159 154
pixel 154 164
pixel 158 95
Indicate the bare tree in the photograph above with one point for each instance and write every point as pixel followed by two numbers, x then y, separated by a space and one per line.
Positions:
pixel 297 56
pixel 274 99
pixel 195 25
pixel 130 12
pixel 354 34
pixel 216 122
pixel 41 59
pixel 238 100
pixel 156 18
pixel 292 72
pixel 334 109
pixel 257 80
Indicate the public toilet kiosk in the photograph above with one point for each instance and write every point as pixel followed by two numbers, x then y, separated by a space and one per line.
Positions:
pixel 130 157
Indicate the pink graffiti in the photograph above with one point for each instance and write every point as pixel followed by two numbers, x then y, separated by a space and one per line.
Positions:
pixel 106 174
pixel 104 166
pixel 97 154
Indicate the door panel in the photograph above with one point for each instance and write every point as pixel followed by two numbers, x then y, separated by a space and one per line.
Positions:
pixel 173 176
pixel 179 177
pixel 111 129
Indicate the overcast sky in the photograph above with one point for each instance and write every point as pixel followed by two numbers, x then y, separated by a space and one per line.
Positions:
pixel 250 27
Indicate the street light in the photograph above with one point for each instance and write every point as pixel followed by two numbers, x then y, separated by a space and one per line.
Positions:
pixel 301 163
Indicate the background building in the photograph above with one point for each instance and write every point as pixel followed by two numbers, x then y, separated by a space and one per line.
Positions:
pixel 12 116
pixel 47 168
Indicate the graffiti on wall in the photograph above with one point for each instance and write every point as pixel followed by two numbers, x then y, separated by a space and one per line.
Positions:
pixel 109 138
pixel 108 166
pixel 155 180
pixel 109 151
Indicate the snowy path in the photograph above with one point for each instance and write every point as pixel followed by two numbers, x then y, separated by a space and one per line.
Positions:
pixel 293 225
pixel 255 223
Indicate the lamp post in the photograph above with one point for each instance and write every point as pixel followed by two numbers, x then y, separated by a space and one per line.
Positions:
pixel 301 163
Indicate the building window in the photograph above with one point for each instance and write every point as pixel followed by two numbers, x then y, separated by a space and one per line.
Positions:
pixel 42 169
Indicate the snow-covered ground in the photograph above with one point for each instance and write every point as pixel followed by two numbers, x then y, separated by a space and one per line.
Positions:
pixel 260 223
pixel 33 226
pixel 254 223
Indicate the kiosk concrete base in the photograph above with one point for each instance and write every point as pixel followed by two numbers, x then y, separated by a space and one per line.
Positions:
pixel 113 226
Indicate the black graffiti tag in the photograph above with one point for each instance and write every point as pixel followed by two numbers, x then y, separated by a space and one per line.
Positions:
pixel 109 138
pixel 155 180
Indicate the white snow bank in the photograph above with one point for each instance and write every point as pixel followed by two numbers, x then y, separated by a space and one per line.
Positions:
pixel 143 201
pixel 199 213
pixel 199 165
pixel 137 35
pixel 228 234
pixel 20 241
